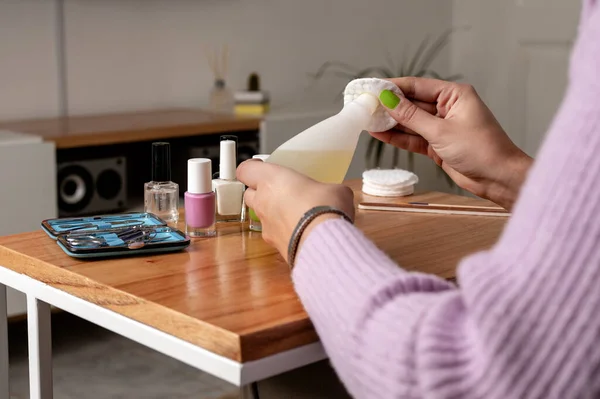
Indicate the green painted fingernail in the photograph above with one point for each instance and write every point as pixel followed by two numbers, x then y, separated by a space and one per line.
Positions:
pixel 389 99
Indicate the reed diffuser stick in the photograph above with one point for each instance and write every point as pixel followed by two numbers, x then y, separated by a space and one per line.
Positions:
pixel 211 60
pixel 218 61
pixel 225 62
pixel 221 97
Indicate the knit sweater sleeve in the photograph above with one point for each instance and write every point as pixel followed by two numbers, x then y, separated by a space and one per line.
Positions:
pixel 525 320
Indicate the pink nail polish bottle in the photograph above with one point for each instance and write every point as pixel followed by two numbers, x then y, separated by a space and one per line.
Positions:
pixel 199 199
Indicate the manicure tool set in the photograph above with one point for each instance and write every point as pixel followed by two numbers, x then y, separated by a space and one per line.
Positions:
pixel 114 235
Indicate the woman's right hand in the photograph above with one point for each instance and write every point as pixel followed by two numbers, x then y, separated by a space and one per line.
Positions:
pixel 450 123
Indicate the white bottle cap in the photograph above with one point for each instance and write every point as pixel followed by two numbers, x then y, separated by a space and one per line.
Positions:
pixel 199 176
pixel 227 161
pixel 262 157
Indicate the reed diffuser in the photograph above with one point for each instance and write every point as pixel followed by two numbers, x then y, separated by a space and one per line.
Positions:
pixel 221 97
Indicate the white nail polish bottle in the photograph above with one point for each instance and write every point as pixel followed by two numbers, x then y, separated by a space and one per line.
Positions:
pixel 229 191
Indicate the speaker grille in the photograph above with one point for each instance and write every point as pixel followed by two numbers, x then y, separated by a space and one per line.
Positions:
pixel 75 188
pixel 91 186
pixel 109 184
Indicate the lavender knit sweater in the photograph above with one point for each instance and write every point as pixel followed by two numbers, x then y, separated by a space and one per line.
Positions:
pixel 525 322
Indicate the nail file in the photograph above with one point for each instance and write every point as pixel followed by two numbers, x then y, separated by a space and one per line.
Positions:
pixel 381 120
pixel 447 209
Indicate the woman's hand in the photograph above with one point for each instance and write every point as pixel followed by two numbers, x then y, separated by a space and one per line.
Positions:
pixel 450 123
pixel 280 196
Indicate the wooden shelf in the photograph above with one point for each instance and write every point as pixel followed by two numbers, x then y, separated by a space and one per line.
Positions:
pixel 106 129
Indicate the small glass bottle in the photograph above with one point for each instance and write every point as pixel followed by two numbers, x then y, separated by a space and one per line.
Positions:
pixel 221 98
pixel 229 190
pixel 161 195
pixel 254 223
pixel 199 199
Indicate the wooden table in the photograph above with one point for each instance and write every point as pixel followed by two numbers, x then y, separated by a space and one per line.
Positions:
pixel 83 139
pixel 226 305
pixel 95 130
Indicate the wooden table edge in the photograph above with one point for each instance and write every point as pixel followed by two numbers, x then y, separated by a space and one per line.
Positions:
pixel 128 305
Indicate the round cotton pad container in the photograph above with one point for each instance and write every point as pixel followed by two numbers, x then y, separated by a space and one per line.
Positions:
pixel 389 182
pixel 381 120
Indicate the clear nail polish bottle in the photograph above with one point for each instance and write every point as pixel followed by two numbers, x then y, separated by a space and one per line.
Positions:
pixel 254 223
pixel 161 195
pixel 229 190
pixel 199 199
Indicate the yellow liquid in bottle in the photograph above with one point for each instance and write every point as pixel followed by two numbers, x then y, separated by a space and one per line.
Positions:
pixel 323 166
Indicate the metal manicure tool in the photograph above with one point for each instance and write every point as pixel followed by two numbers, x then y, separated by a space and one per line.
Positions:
pixel 134 237
pixel 132 222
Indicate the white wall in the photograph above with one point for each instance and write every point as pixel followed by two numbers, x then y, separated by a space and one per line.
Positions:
pixel 28 72
pixel 480 53
pixel 148 53
pixel 140 54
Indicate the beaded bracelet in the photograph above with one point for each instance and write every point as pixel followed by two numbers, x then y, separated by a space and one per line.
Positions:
pixel 306 219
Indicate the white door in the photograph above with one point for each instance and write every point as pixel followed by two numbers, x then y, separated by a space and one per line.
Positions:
pixel 516 55
pixel 544 32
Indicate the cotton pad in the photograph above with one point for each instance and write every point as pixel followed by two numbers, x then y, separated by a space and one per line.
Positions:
pixel 381 120
pixel 389 182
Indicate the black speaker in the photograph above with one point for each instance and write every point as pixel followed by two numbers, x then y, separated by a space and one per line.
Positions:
pixel 92 186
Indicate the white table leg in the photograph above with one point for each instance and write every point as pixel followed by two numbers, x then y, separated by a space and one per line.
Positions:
pixel 4 371
pixel 40 348
pixel 249 391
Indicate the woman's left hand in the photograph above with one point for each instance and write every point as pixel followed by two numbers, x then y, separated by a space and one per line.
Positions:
pixel 280 196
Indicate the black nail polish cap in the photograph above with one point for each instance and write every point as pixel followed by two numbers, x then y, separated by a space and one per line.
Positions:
pixel 161 161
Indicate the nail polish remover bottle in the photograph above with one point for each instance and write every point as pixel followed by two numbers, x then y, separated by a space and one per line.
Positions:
pixel 161 195
pixel 229 190
pixel 199 199
pixel 324 151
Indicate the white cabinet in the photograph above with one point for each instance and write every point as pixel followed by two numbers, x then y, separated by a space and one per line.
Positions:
pixel 28 181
